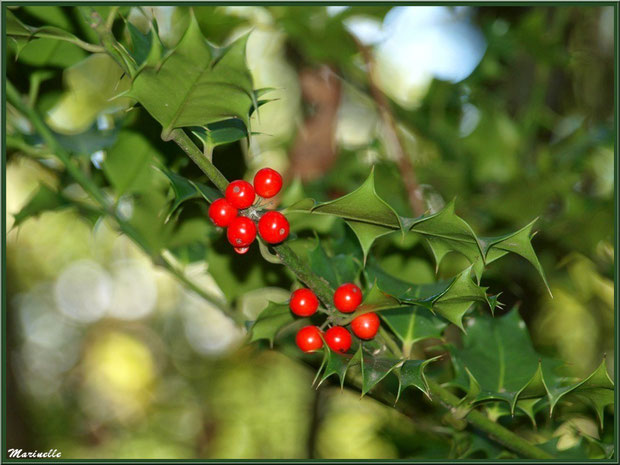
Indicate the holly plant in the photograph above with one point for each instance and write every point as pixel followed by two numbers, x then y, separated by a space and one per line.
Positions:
pixel 354 322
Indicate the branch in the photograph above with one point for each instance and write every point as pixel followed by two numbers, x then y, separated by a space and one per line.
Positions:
pixel 495 431
pixel 414 193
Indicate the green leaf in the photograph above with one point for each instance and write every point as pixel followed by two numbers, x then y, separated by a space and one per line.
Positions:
pixel 412 324
pixel 196 85
pixel 365 212
pixel 373 369
pixel 44 199
pixel 335 364
pixel 376 300
pixel 411 373
pixel 22 34
pixel 48 52
pixel 520 243
pixel 597 390
pixel 367 233
pixel 336 270
pixel 499 355
pixel 450 299
pixel 402 289
pixel 446 232
pixel 128 164
pixel 185 189
pixel 140 43
pixel 270 322
pixel 454 302
pixel 92 86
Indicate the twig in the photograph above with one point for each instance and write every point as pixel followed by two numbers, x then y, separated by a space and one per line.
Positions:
pixel 414 193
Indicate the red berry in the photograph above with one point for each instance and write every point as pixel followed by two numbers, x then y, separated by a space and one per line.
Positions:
pixel 309 339
pixel 366 326
pixel 241 250
pixel 241 232
pixel 338 339
pixel 273 227
pixel 222 213
pixel 267 182
pixel 303 302
pixel 347 298
pixel 240 194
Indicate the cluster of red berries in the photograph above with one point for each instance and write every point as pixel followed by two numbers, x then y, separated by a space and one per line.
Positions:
pixel 346 299
pixel 273 226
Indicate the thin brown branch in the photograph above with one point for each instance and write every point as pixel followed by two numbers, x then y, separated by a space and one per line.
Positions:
pixel 414 193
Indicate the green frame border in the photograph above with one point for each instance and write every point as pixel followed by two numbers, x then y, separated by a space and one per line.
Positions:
pixel 3 454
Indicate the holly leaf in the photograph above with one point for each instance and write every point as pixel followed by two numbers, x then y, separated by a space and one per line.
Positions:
pixel 373 369
pixel 519 242
pixel 140 43
pixel 500 357
pixel 336 270
pixel 22 35
pixel 196 84
pixel 460 295
pixel 44 199
pixel 450 299
pixel 185 189
pixel 270 321
pixel 446 232
pixel 336 364
pixel 412 324
pixel 368 215
pixel 597 390
pixel 375 300
pixel 411 373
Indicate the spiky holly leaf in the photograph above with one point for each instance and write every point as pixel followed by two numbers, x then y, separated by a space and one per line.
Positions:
pixel 412 324
pixel 519 242
pixel 597 390
pixel 337 364
pixel 196 84
pixel 373 369
pixel 411 373
pixel 368 215
pixel 460 295
pixel 446 232
pixel 498 354
pixel 450 299
pixel 376 300
pixel 44 199
pixel 21 35
pixel 336 269
pixel 270 321
pixel 185 189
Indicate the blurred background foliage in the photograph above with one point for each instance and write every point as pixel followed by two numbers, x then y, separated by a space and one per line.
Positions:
pixel 508 109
